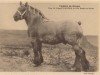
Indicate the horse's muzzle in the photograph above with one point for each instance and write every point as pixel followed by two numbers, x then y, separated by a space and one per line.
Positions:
pixel 15 19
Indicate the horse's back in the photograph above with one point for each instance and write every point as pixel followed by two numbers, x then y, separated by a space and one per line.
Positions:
pixel 63 26
pixel 66 27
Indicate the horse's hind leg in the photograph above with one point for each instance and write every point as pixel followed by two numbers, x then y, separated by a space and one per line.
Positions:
pixel 81 63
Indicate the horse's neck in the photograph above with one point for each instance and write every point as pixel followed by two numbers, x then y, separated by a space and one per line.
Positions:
pixel 31 21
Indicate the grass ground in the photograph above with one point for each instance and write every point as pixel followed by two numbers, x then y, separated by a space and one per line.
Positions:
pixel 57 58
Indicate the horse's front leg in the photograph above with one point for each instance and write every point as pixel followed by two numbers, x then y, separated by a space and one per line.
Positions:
pixel 40 51
pixel 37 52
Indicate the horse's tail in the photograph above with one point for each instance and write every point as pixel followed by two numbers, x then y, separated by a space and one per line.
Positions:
pixel 79 22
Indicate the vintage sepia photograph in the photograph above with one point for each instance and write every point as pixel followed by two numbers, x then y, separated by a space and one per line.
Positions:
pixel 49 37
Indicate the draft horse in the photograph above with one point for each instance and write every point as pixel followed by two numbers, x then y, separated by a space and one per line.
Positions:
pixel 49 32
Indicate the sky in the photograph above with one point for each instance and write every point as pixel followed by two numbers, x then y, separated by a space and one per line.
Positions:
pixel 88 17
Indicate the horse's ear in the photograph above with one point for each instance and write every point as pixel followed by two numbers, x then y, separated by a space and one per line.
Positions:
pixel 20 3
pixel 26 4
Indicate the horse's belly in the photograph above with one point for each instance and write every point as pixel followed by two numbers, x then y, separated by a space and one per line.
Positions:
pixel 50 40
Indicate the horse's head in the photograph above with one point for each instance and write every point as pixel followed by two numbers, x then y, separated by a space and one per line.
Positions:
pixel 28 13
pixel 21 11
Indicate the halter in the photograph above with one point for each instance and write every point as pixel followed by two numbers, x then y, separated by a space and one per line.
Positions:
pixel 21 14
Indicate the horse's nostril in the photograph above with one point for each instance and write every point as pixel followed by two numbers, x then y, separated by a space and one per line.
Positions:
pixel 14 16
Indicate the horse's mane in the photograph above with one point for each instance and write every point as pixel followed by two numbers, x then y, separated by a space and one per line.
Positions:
pixel 37 10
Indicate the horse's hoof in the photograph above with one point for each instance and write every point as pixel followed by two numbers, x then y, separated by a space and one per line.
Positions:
pixel 73 69
pixel 86 69
pixel 36 65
